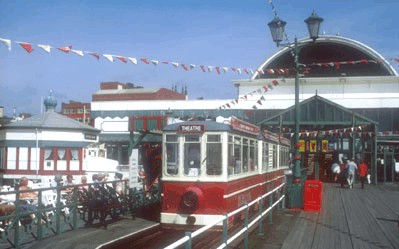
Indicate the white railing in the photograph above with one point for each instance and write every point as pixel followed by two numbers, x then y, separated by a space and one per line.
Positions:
pixel 187 240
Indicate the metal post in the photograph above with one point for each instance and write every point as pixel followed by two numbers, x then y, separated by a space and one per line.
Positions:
pixel 260 222
pixel 225 229
pixel 189 242
pixel 246 226
pixel 58 212
pixel 75 208
pixel 296 192
pixel 271 210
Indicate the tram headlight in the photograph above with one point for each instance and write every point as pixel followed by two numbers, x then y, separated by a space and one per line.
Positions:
pixel 191 199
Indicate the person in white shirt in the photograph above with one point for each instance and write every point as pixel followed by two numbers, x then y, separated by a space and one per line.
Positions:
pixel 351 167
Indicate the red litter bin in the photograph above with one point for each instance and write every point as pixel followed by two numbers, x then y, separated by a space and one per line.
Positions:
pixel 312 196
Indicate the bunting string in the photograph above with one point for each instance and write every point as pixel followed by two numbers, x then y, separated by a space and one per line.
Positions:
pixel 29 48
pixel 355 131
pixel 261 91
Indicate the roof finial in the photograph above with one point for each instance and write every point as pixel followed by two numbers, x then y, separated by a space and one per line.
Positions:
pixel 50 102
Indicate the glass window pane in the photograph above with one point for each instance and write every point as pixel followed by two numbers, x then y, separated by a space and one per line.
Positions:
pixel 172 158
pixel 192 160
pixel 214 159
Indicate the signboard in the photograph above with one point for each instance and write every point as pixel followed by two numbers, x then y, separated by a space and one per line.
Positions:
pixel 313 146
pixel 191 128
pixel 243 126
pixel 268 135
pixel 324 145
pixel 301 145
pixel 90 136
pixel 134 169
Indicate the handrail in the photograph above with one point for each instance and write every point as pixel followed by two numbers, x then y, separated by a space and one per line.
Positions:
pixel 189 236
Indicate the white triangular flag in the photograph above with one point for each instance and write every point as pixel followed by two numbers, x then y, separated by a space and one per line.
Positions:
pixel 109 57
pixel 210 68
pixel 154 62
pixel 46 48
pixel 133 60
pixel 78 52
pixel 175 64
pixel 225 69
pixel 192 66
pixel 239 70
pixel 6 42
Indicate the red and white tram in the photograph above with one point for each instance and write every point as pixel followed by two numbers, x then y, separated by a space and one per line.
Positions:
pixel 212 168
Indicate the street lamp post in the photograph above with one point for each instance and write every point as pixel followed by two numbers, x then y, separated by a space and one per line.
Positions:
pixel 277 30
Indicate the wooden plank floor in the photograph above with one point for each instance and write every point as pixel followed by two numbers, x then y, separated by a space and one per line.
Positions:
pixel 350 218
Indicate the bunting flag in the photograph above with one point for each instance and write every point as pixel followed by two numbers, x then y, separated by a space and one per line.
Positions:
pixel 6 43
pixel 46 48
pixel 95 55
pixel 78 52
pixel 145 61
pixel 65 49
pixel 184 67
pixel 121 58
pixel 109 57
pixel 187 67
pixel 132 60
pixel 26 46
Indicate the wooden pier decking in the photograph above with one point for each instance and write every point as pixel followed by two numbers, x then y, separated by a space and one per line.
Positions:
pixel 349 218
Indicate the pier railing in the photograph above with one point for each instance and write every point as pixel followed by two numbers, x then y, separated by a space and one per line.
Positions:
pixel 64 208
pixel 248 223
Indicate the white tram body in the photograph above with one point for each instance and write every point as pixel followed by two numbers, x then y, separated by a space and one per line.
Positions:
pixel 212 168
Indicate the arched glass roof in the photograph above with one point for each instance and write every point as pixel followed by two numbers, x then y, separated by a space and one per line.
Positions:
pixel 329 49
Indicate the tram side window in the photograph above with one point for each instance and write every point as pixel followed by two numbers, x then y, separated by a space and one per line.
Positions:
pixel 192 154
pixel 265 156
pixel 213 155
pixel 245 155
pixel 253 159
pixel 237 155
pixel 172 155
pixel 274 150
pixel 231 159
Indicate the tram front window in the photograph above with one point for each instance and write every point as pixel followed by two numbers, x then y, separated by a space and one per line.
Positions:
pixel 172 155
pixel 214 155
pixel 192 152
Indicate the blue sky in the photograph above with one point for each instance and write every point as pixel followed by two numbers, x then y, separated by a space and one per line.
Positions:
pixel 221 33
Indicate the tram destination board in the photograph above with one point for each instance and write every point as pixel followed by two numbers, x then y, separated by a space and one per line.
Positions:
pixel 192 128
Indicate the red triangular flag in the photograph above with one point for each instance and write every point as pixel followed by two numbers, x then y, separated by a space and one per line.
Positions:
pixel 184 66
pixel 26 46
pixel 95 55
pixel 123 59
pixel 65 49
pixel 145 61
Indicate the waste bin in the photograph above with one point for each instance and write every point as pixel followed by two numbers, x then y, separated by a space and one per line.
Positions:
pixel 312 195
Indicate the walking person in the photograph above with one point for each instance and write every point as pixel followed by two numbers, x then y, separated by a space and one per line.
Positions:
pixel 335 169
pixel 363 170
pixel 351 168
pixel 342 175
